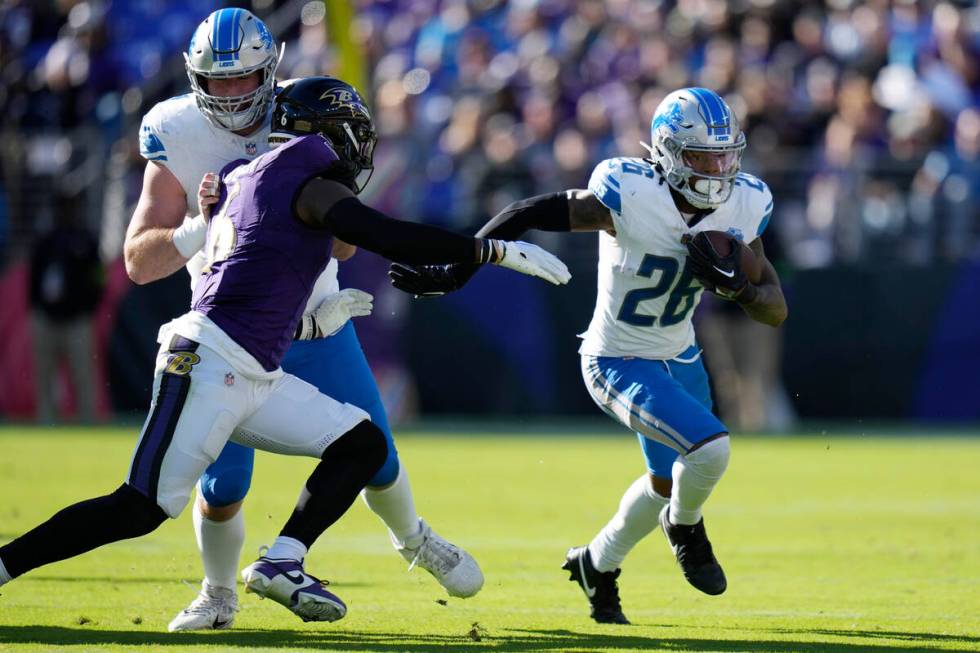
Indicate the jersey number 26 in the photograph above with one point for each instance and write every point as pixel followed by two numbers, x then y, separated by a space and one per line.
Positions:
pixel 680 302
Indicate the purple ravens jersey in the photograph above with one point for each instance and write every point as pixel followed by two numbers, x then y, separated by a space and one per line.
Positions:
pixel 262 260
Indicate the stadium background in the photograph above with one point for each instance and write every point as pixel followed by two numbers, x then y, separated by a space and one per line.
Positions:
pixel 862 117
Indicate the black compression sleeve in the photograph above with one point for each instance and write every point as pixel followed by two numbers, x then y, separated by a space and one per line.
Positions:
pixel 405 242
pixel 545 212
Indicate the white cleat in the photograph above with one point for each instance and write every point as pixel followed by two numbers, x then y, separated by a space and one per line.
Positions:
pixel 213 609
pixel 286 582
pixel 454 568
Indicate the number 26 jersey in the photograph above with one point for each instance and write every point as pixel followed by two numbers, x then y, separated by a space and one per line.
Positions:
pixel 646 293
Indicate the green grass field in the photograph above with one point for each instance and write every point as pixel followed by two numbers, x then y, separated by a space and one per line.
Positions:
pixel 829 543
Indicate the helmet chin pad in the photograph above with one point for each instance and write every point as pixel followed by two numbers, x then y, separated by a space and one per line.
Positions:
pixel 708 192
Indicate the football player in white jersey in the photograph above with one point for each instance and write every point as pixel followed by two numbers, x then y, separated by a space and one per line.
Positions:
pixel 231 63
pixel 640 360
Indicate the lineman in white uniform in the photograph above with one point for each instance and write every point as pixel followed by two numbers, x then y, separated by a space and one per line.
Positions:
pixel 231 63
pixel 640 360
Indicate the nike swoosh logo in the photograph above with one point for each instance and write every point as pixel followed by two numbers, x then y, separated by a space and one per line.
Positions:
pixel 589 591
pixel 297 579
pixel 218 623
pixel 727 274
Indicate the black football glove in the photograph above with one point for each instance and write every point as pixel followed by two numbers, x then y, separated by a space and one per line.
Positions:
pixel 430 280
pixel 721 275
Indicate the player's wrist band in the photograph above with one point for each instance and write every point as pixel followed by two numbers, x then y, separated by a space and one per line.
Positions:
pixel 491 250
pixel 307 329
pixel 189 237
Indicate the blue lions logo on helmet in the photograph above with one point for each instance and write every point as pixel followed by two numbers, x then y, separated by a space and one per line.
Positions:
pixel 264 34
pixel 672 117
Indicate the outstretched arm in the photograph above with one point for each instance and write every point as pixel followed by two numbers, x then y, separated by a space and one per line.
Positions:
pixel 328 204
pixel 331 205
pixel 570 210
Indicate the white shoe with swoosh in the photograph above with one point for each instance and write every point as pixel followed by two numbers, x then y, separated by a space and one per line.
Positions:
pixel 213 609
pixel 454 568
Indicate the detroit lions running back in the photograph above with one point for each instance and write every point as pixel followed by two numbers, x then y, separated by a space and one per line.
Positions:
pixel 640 359
pixel 231 63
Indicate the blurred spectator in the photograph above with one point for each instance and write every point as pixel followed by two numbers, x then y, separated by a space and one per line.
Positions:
pixel 66 285
pixel 743 358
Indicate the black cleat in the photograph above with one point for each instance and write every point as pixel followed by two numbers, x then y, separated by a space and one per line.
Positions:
pixel 599 587
pixel 693 552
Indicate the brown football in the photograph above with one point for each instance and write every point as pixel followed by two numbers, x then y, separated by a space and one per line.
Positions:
pixel 750 263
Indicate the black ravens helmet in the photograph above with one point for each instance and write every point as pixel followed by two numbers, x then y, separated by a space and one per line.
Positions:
pixel 333 108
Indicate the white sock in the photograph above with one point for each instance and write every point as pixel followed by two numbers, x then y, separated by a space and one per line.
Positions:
pixel 4 576
pixel 396 508
pixel 637 517
pixel 220 543
pixel 695 476
pixel 287 548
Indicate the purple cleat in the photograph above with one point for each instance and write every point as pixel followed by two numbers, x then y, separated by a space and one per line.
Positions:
pixel 285 582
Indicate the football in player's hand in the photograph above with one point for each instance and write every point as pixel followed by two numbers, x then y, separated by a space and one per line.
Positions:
pixel 750 264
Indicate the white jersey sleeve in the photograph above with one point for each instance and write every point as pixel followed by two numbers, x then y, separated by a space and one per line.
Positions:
pixel 176 135
pixel 155 142
pixel 755 204
pixel 623 186
pixel 606 184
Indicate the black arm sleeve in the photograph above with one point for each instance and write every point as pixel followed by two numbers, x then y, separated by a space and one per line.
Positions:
pixel 406 242
pixel 545 212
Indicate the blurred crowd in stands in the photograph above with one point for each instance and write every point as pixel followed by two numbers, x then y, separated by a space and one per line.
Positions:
pixel 861 115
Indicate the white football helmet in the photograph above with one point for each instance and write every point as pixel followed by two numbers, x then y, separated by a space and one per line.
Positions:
pixel 231 43
pixel 697 142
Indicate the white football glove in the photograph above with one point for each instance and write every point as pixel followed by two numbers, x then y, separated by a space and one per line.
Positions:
pixel 527 258
pixel 333 312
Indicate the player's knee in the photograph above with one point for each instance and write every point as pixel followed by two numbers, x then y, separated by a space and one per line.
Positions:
pixel 365 445
pixel 227 488
pixel 389 470
pixel 711 459
pixel 135 512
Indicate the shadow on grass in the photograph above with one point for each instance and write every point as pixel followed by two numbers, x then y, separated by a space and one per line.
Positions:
pixel 886 634
pixel 120 580
pixel 504 640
